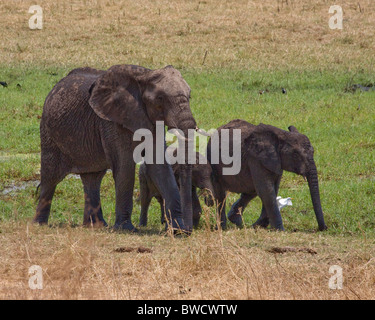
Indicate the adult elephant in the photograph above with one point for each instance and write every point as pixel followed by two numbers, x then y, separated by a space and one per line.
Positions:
pixel 87 127
pixel 265 152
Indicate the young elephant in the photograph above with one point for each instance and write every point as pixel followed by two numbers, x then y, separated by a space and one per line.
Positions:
pixel 201 178
pixel 265 152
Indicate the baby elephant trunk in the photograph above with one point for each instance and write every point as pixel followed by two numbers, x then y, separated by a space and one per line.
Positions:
pixel 209 195
pixel 312 179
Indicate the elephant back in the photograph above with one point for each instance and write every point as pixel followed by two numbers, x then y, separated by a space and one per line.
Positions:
pixel 69 97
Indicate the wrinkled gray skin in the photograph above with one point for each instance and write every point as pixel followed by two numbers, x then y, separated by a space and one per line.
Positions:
pixel 201 178
pixel 87 127
pixel 265 152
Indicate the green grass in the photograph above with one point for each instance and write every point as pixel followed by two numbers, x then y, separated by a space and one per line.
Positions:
pixel 340 125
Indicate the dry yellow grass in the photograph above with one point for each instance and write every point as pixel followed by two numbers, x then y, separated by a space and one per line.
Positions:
pixel 82 263
pixel 257 34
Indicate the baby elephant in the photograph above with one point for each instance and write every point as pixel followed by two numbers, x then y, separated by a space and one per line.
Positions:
pixel 265 152
pixel 200 178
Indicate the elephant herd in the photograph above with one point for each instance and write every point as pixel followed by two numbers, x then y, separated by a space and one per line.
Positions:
pixel 87 127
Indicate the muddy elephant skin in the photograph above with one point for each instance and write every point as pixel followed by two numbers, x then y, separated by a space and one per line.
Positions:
pixel 265 152
pixel 87 127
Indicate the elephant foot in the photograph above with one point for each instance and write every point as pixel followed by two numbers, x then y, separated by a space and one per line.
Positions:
pixel 196 223
pixel 236 218
pixel 95 224
pixel 264 224
pixel 40 221
pixel 322 227
pixel 177 227
pixel 222 226
pixel 142 222
pixel 41 218
pixel 277 226
pixel 258 226
pixel 178 231
pixel 261 223
pixel 125 226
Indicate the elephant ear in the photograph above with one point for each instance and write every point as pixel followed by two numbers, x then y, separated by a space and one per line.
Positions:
pixel 293 129
pixel 115 96
pixel 263 144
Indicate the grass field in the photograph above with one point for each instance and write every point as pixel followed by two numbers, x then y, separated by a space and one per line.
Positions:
pixel 229 52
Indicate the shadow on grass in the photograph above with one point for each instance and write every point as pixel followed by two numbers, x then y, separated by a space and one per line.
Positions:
pixel 105 230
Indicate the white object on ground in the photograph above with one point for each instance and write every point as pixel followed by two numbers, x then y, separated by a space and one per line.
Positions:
pixel 283 202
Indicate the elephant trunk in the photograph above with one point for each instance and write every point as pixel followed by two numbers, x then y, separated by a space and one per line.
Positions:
pixel 184 122
pixel 210 195
pixel 185 176
pixel 312 179
pixel 186 184
pixel 186 196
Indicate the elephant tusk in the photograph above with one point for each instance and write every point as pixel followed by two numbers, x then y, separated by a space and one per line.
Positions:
pixel 178 135
pixel 203 133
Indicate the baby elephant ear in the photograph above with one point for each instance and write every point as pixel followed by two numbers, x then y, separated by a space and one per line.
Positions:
pixel 292 129
pixel 263 146
pixel 116 96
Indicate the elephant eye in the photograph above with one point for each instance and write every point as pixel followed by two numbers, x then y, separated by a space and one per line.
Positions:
pixel 296 155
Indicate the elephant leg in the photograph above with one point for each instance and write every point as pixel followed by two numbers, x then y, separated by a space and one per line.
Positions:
pixel 277 185
pixel 43 209
pixel 93 214
pixel 145 204
pixel 263 220
pixel 162 209
pixel 221 213
pixel 163 178
pixel 235 213
pixel 266 185
pixel 273 212
pixel 197 209
pixel 124 177
pixel 221 216
pixel 52 172
pixel 146 197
